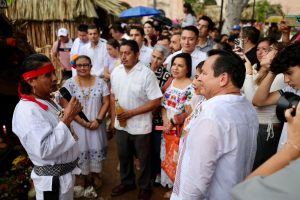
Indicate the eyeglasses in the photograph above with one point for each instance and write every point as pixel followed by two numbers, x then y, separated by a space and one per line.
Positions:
pixel 268 50
pixel 83 65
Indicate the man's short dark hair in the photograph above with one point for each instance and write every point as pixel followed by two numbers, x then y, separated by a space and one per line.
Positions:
pixel 82 28
pixel 188 60
pixel 117 28
pixel 251 33
pixel 191 28
pixel 164 37
pixel 114 43
pixel 139 29
pixel 132 44
pixel 230 63
pixel 211 24
pixel 288 57
pixel 93 26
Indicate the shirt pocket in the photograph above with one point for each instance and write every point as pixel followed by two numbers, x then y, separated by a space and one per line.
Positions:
pixel 136 88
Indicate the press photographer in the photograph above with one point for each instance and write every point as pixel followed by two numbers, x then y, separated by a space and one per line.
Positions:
pixel 278 177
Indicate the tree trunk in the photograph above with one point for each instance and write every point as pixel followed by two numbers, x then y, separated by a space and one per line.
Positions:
pixel 233 12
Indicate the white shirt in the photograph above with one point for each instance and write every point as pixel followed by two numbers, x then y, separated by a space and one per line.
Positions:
pixel 77 44
pixel 47 141
pixel 97 56
pixel 197 57
pixel 134 89
pixel 283 136
pixel 125 36
pixel 266 114
pixel 219 150
pixel 145 55
pixel 189 20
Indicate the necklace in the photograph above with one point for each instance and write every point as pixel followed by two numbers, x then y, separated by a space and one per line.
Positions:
pixel 85 94
pixel 58 111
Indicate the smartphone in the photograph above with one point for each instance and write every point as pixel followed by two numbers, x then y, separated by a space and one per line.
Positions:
pixel 239 44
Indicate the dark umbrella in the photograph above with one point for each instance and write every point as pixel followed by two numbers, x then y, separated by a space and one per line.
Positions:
pixel 139 11
pixel 163 20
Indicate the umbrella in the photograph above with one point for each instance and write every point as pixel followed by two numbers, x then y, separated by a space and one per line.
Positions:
pixel 163 20
pixel 139 11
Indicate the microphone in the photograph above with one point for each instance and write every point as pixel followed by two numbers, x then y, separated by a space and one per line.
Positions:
pixel 66 94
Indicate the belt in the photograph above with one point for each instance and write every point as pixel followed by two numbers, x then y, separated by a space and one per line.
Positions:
pixel 55 170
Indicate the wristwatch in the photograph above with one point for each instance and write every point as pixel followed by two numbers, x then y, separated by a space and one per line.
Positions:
pixel 99 120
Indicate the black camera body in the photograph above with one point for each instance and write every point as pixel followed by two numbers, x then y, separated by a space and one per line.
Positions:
pixel 286 101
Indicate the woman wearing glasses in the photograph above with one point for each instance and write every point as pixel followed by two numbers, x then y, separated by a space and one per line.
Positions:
pixel 269 126
pixel 93 94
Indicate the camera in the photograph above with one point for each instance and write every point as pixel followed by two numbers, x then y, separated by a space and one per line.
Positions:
pixel 239 44
pixel 287 100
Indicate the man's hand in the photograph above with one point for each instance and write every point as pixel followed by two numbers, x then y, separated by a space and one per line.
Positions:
pixel 125 115
pixel 293 125
pixel 71 110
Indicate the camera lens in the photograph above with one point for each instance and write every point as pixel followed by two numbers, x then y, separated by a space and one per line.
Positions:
pixel 287 100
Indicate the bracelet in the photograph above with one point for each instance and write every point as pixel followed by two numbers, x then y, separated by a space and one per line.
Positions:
pixel 172 121
pixel 293 145
pixel 99 120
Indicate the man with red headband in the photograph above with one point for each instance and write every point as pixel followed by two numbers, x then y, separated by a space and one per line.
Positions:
pixel 44 130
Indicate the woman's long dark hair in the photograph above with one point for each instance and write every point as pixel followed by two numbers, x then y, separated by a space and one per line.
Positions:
pixel 189 9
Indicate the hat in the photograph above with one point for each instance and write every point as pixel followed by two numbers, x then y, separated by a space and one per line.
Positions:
pixel 62 32
pixel 236 27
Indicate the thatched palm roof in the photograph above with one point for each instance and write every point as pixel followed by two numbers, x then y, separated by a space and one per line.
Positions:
pixel 49 10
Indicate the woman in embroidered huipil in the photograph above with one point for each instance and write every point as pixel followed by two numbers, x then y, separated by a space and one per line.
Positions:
pixel 176 101
pixel 93 94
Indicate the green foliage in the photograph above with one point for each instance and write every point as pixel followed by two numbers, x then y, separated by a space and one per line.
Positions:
pixel 262 8
pixel 210 2
pixel 265 9
pixel 9 2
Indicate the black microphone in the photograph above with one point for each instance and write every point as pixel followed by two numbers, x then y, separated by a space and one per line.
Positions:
pixel 66 94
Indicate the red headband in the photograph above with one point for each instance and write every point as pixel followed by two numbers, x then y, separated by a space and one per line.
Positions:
pixel 38 72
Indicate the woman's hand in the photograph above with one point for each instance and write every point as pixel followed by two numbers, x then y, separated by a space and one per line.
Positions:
pixel 94 125
pixel 167 125
pixel 248 66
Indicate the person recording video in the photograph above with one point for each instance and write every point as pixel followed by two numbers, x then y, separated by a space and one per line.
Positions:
pixel 287 62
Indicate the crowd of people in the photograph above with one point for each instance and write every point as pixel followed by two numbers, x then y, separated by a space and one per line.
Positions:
pixel 190 108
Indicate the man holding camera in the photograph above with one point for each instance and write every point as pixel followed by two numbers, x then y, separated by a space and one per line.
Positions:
pixel 288 63
pixel 278 178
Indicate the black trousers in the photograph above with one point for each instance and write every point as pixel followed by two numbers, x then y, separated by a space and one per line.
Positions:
pixel 128 147
pixel 155 153
pixel 266 149
pixel 54 194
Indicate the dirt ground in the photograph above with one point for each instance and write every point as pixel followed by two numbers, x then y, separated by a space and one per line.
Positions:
pixel 111 178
